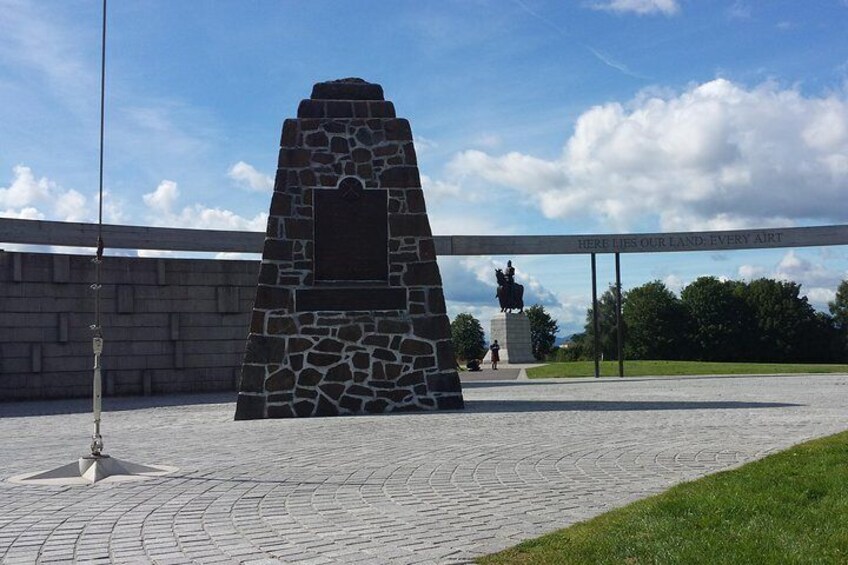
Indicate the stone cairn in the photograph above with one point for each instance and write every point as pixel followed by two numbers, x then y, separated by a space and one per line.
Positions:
pixel 349 315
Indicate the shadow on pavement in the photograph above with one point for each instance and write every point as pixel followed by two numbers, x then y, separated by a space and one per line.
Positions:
pixel 21 409
pixel 478 406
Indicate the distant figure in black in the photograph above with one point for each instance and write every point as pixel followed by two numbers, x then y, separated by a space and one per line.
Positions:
pixel 510 294
pixel 496 356
pixel 473 365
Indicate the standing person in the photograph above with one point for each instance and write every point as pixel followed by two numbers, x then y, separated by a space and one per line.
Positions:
pixel 495 348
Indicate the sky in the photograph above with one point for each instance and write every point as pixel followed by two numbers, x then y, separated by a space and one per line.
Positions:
pixel 529 117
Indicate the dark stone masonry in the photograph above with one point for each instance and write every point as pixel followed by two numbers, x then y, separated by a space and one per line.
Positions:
pixel 349 315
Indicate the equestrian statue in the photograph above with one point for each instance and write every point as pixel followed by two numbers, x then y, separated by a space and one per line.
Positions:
pixel 510 294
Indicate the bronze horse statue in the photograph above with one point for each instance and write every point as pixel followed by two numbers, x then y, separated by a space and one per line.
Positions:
pixel 510 294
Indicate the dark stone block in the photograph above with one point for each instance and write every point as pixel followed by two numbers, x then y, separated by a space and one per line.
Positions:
pixel 252 378
pixel 350 299
pixel 312 330
pixel 296 362
pixel 409 154
pixel 268 273
pixel 326 408
pixel 376 406
pixel 272 298
pixel 304 408
pixel 288 138
pixel 361 155
pixel 303 392
pixel 333 390
pixel 317 139
pixel 350 333
pixel 294 158
pixel 309 377
pixel 432 327
pixel 415 347
pixel 298 344
pixel 322 359
pixel 329 345
pixel 257 322
pixel 445 356
pixel 409 225
pixel 422 274
pixel 411 379
pixel 360 109
pixel 308 179
pixel 381 109
pixel 339 109
pixel 425 362
pixel 361 360
pixel 280 380
pixel 357 390
pixel 384 354
pixel 386 150
pixel 311 109
pixel 396 396
pixel 376 340
pixel 393 370
pixel 298 228
pixel 397 130
pixel 339 145
pixel 281 411
pixel 436 301
pixel 281 325
pixel 250 407
pixel 392 327
pixel 444 382
pixel 452 402
pixel 415 202
pixel 264 350
pixel 400 177
pixel 339 373
pixel 350 403
pixel 277 250
pixel 427 249
pixel 347 89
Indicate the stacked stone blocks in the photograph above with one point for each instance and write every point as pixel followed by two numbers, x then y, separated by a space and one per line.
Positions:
pixel 349 314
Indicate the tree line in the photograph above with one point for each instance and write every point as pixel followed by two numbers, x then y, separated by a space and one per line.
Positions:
pixel 764 320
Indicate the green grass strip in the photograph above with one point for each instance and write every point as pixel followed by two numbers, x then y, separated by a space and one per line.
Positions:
pixel 791 507
pixel 664 368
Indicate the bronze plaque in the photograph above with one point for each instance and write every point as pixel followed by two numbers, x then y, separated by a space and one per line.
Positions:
pixel 351 234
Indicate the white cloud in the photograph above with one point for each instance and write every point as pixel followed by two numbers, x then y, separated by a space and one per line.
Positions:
pixel 247 177
pixel 818 281
pixel 162 203
pixel 715 156
pixel 641 7
pixel 31 198
pixel 163 198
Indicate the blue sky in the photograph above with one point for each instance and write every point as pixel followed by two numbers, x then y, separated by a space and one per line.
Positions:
pixel 530 117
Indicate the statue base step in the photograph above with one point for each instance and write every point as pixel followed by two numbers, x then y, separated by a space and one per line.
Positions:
pixel 513 334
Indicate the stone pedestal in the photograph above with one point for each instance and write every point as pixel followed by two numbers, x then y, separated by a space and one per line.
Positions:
pixel 513 334
pixel 349 316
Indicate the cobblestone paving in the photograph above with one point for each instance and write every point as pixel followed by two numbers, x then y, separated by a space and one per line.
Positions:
pixel 526 457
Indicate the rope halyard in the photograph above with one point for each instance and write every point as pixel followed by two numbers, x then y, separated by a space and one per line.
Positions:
pixel 96 328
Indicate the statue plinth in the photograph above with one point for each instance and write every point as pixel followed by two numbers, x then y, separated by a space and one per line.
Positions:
pixel 513 334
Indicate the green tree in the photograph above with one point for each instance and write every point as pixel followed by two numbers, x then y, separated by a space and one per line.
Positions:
pixel 607 327
pixel 467 336
pixel 656 323
pixel 543 330
pixel 781 324
pixel 839 306
pixel 839 311
pixel 715 314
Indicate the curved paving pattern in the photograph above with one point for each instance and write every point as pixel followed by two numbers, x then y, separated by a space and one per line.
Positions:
pixel 525 458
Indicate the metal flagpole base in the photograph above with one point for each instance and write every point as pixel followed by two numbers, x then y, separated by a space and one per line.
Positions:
pixel 92 469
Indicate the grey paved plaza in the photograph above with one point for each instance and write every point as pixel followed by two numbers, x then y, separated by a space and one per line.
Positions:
pixel 524 458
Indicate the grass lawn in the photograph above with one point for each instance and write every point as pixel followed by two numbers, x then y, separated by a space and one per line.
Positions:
pixel 791 507
pixel 659 368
